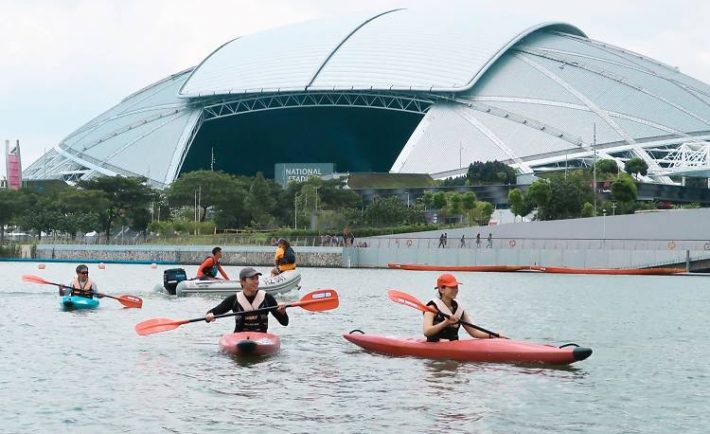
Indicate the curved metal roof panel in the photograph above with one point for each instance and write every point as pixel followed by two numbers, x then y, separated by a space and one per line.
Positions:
pixel 282 59
pixel 396 50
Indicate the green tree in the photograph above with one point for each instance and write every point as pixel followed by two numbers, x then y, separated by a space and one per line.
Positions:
pixel 260 202
pixel 490 172
pixel 636 166
pixel 540 193
pixel 482 213
pixel 391 211
pixel 79 210
pixel 204 187
pixel 9 210
pixel 519 203
pixel 468 200
pixel 124 194
pixel 623 189
pixel 439 200
pixel 606 168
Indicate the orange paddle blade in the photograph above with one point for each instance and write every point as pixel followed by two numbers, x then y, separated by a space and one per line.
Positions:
pixel 319 301
pixel 408 300
pixel 36 279
pixel 130 301
pixel 157 325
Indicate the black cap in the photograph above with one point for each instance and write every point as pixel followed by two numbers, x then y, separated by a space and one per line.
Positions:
pixel 248 272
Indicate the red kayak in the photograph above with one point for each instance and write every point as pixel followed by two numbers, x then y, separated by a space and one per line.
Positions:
pixel 619 271
pixel 478 268
pixel 250 344
pixel 471 350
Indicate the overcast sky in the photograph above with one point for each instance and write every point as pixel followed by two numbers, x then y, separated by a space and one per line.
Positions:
pixel 63 62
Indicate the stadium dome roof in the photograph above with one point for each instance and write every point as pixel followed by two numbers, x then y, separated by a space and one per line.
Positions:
pixel 469 87
pixel 395 50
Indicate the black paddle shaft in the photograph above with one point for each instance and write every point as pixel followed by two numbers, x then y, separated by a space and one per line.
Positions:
pixel 479 328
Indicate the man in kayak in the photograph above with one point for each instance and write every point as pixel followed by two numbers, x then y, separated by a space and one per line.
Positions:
pixel 285 257
pixel 210 266
pixel 248 299
pixel 81 285
pixel 436 325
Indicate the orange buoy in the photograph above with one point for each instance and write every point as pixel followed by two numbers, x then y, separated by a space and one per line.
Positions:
pixel 101 266
pixel 153 265
pixel 41 266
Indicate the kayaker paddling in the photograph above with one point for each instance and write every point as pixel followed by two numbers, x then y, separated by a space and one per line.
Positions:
pixel 248 299
pixel 445 324
pixel 81 285
pixel 210 267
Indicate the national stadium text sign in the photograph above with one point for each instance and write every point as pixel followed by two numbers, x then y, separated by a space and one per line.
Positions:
pixel 299 172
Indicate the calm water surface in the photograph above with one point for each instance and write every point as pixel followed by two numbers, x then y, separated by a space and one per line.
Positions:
pixel 89 372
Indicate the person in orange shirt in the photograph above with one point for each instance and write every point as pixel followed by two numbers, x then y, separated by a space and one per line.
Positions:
pixel 285 257
pixel 210 266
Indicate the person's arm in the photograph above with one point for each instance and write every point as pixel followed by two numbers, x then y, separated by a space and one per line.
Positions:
pixel 430 329
pixel 222 272
pixel 224 307
pixel 475 333
pixel 280 312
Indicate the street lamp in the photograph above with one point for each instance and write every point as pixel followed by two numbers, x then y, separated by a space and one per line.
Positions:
pixel 604 224
pixel 295 211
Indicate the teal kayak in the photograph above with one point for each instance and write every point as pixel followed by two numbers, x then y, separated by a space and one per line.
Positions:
pixel 69 302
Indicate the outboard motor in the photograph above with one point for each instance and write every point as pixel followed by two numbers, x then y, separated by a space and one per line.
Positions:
pixel 173 276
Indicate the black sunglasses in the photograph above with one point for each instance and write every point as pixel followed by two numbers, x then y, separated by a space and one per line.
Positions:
pixel 83 272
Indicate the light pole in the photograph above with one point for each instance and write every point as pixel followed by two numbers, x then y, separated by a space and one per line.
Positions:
pixel 316 208
pixel 604 225
pixel 295 211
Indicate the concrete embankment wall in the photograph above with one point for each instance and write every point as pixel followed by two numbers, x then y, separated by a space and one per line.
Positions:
pixel 629 241
pixel 191 255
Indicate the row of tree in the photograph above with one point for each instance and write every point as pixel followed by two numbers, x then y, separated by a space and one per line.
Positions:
pixel 573 194
pixel 206 201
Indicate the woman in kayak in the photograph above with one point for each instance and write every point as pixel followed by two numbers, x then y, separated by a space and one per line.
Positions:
pixel 81 285
pixel 436 325
pixel 285 257
pixel 248 299
pixel 210 266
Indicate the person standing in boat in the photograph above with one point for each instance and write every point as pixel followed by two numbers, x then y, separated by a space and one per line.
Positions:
pixel 436 325
pixel 284 259
pixel 248 299
pixel 210 267
pixel 81 285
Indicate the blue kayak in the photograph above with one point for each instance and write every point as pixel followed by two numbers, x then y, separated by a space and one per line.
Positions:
pixel 69 302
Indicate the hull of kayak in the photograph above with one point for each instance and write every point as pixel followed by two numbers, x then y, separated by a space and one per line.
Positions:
pixel 69 302
pixel 284 282
pixel 619 271
pixel 471 350
pixel 250 344
pixel 479 268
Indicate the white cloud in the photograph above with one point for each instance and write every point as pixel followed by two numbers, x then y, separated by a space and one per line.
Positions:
pixel 64 62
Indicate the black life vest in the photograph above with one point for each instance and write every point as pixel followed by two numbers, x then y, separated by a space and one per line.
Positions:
pixel 451 332
pixel 258 322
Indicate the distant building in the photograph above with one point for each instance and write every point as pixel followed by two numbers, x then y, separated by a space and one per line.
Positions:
pixel 13 165
pixel 401 91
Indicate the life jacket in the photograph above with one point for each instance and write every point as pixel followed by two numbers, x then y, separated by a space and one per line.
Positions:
pixel 451 332
pixel 82 290
pixel 213 270
pixel 288 260
pixel 258 322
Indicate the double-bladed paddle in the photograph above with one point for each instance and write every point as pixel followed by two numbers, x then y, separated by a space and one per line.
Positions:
pixel 408 300
pixel 316 301
pixel 126 300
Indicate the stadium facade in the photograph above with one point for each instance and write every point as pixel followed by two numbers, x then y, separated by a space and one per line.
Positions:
pixel 404 91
